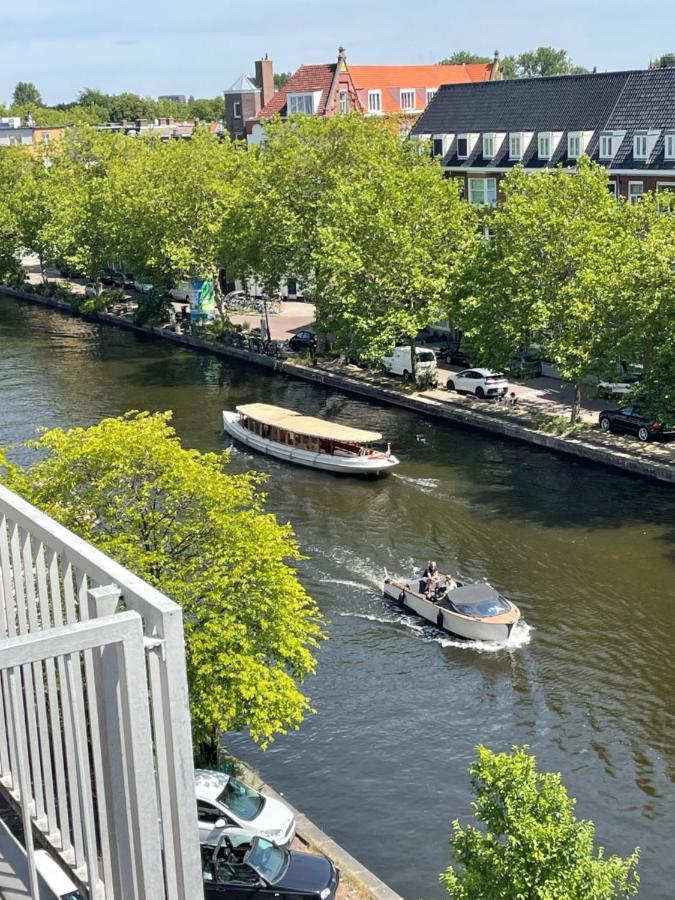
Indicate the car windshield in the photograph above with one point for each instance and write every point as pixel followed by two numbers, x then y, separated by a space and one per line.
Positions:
pixel 425 356
pixel 495 606
pixel 242 800
pixel 269 862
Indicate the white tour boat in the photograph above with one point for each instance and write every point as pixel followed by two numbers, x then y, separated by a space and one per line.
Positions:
pixel 307 441
pixel 476 612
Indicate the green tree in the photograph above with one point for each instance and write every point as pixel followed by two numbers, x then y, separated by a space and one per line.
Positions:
pixel 280 79
pixel 667 60
pixel 392 241
pixel 26 94
pixel 541 62
pixel 546 276
pixel 177 518
pixel 166 205
pixel 463 57
pixel 533 846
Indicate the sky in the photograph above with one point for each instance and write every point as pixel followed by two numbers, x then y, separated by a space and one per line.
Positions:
pixel 200 47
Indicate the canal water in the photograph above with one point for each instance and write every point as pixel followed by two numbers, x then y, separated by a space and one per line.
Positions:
pixel 587 553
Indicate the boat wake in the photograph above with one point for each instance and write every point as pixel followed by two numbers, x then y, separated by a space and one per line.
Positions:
pixel 426 485
pixel 520 637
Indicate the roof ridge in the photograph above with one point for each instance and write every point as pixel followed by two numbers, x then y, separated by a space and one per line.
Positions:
pixel 575 75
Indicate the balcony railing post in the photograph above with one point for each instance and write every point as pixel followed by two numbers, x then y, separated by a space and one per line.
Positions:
pixel 118 868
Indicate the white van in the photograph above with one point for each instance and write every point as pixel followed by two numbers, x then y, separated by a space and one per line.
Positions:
pixel 399 362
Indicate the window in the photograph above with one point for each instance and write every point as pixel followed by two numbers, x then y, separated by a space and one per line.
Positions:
pixel 574 148
pixel 437 147
pixel 612 188
pixel 462 146
pixel 374 101
pixel 606 146
pixel 236 109
pixel 483 191
pixel 635 191
pixel 516 145
pixel 666 192
pixel 408 100
pixel 544 145
pixel 669 151
pixel 640 147
pixel 344 101
pixel 488 146
pixel 301 103
pixel 206 812
pixel 44 137
pixel 431 93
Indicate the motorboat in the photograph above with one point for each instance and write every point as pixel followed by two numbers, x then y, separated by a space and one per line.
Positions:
pixel 308 441
pixel 476 612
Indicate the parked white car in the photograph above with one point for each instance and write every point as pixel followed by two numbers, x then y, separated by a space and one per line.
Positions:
pixel 399 362
pixel 480 382
pixel 143 287
pixel 224 801
pixel 618 388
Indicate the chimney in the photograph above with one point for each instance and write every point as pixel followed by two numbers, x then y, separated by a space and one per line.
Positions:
pixel 496 72
pixel 264 78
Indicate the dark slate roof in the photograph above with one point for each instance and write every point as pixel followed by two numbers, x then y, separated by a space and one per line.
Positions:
pixel 610 101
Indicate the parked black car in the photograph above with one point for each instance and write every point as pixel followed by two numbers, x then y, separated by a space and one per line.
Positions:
pixel 68 271
pixel 303 340
pixel 244 867
pixel 631 420
pixel 525 366
pixel 107 276
pixel 124 280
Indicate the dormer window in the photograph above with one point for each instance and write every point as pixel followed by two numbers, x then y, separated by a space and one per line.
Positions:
pixel 488 146
pixel 374 101
pixel 516 145
pixel 644 143
pixel 437 147
pixel 408 100
pixel 669 146
pixel 462 146
pixel 431 93
pixel 606 146
pixel 544 145
pixel 301 103
pixel 640 146
pixel 575 148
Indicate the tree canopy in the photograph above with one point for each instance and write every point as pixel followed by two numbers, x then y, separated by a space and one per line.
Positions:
pixel 179 519
pixel 463 57
pixel 532 845
pixel 26 94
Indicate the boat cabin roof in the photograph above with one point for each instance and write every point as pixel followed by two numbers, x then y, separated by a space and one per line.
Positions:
pixel 288 420
pixel 473 594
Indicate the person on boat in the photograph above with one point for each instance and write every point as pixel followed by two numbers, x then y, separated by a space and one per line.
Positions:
pixel 431 577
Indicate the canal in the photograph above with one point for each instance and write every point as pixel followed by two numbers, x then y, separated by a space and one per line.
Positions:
pixel 587 554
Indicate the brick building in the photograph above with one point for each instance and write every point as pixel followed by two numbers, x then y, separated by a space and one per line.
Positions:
pixel 247 96
pixel 623 120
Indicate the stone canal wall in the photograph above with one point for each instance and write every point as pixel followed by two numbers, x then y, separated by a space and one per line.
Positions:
pixel 431 403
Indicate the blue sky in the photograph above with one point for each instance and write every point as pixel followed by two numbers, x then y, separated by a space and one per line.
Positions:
pixel 200 47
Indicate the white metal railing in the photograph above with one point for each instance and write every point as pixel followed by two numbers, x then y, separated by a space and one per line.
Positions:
pixel 95 737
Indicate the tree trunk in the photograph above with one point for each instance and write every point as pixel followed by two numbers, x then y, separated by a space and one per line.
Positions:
pixel 42 271
pixel 413 360
pixel 576 404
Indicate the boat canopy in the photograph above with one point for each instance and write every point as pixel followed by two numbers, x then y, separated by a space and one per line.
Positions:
pixel 288 420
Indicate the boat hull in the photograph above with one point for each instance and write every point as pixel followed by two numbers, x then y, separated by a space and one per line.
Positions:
pixel 466 627
pixel 357 465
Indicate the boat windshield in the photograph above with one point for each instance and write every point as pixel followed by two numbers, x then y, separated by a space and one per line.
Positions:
pixel 269 861
pixel 244 801
pixel 483 609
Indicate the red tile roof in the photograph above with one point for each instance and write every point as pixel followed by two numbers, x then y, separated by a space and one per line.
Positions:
pixel 305 80
pixel 392 79
pixel 388 79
